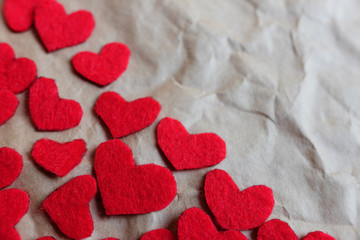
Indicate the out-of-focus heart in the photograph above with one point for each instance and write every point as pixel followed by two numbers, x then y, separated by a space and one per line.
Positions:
pixel 14 204
pixel 16 74
pixel 57 29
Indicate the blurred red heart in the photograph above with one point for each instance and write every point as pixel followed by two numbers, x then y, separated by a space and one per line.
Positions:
pixel 16 74
pixel 318 236
pixel 11 164
pixel 57 29
pixel 14 204
pixel 276 229
pixel 19 14
pixel 8 105
pixel 158 234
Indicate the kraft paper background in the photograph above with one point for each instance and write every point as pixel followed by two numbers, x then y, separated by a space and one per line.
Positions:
pixel 278 80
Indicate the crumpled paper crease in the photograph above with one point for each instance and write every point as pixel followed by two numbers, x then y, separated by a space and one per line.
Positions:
pixel 277 80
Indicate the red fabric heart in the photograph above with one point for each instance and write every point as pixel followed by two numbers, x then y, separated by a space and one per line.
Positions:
pixel 57 29
pixel 104 68
pixel 158 234
pixel 194 224
pixel 16 74
pixel 276 229
pixel 46 238
pixel 124 118
pixel 11 164
pixel 129 189
pixel 14 204
pixel 186 151
pixel 68 207
pixel 48 111
pixel 19 14
pixel 58 158
pixel 235 209
pixel 8 105
pixel 318 236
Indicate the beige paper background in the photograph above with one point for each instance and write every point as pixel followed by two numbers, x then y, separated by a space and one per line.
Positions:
pixel 278 80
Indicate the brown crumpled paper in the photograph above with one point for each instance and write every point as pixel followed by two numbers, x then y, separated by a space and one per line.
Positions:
pixel 279 81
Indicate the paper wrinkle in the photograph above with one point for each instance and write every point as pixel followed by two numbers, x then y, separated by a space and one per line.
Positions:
pixel 277 80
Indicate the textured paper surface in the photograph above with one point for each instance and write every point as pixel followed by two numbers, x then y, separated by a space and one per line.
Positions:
pixel 279 81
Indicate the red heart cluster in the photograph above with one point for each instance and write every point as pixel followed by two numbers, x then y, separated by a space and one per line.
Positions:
pixel 125 188
pixel 56 29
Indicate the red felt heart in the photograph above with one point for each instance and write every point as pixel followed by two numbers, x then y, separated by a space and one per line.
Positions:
pixel 11 164
pixel 16 74
pixel 57 29
pixel 46 238
pixel 276 229
pixel 104 68
pixel 48 111
pixel 19 14
pixel 318 236
pixel 124 118
pixel 14 204
pixel 194 224
pixel 68 207
pixel 158 234
pixel 129 189
pixel 8 105
pixel 58 158
pixel 235 209
pixel 186 151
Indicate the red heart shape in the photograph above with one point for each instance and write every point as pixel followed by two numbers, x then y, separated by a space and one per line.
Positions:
pixel 235 209
pixel 124 118
pixel 58 158
pixel 19 14
pixel 129 189
pixel 186 151
pixel 16 74
pixel 104 68
pixel 318 236
pixel 68 207
pixel 194 224
pixel 46 238
pixel 8 105
pixel 158 234
pixel 14 204
pixel 276 229
pixel 279 230
pixel 48 111
pixel 11 164
pixel 58 30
